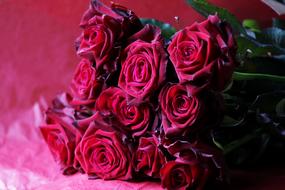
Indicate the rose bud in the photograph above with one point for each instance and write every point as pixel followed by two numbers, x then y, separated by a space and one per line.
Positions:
pixel 133 119
pixel 60 134
pixel 149 158
pixel 144 64
pixel 104 30
pixel 205 53
pixel 102 153
pixel 181 107
pixel 194 167
pixel 86 84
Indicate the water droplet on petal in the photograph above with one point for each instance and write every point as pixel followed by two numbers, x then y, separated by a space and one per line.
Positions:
pixel 176 18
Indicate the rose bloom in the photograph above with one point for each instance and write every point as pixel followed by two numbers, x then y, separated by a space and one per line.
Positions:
pixel 143 64
pixel 128 20
pixel 133 119
pixel 102 153
pixel 205 53
pixel 194 167
pixel 60 134
pixel 86 85
pixel 104 29
pixel 149 158
pixel 181 108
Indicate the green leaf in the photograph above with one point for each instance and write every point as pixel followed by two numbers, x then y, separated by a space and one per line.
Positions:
pixel 272 65
pixel 278 23
pixel 249 47
pixel 251 24
pixel 206 9
pixel 280 108
pixel 274 36
pixel 229 86
pixel 231 122
pixel 266 103
pixel 252 76
pixel 265 139
pixel 219 145
pixel 166 29
pixel 239 142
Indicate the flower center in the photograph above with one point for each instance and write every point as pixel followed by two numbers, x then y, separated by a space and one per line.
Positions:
pixel 93 35
pixel 178 178
pixel 129 112
pixel 181 103
pixel 85 76
pixel 187 51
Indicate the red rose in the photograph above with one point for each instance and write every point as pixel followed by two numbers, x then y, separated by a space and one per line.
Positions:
pixel 104 30
pixel 61 144
pixel 86 84
pixel 97 42
pixel 144 64
pixel 134 119
pixel 195 165
pixel 103 154
pixel 148 158
pixel 60 134
pixel 204 52
pixel 129 22
pixel 181 108
pixel 178 175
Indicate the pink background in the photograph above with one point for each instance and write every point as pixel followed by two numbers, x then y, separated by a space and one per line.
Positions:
pixel 37 58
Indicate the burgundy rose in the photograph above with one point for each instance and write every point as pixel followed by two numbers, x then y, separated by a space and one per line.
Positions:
pixel 144 64
pixel 104 30
pixel 195 165
pixel 181 108
pixel 129 22
pixel 60 134
pixel 103 154
pixel 178 175
pixel 61 144
pixel 133 119
pixel 148 158
pixel 86 85
pixel 97 43
pixel 205 53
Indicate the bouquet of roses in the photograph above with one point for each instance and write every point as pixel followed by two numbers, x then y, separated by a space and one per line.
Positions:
pixel 144 100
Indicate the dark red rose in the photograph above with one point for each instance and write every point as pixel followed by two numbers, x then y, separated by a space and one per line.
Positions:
pixel 60 134
pixel 133 119
pixel 129 22
pixel 103 153
pixel 144 64
pixel 181 108
pixel 86 84
pixel 97 42
pixel 195 165
pixel 148 158
pixel 178 175
pixel 205 53
pixel 61 144
pixel 104 30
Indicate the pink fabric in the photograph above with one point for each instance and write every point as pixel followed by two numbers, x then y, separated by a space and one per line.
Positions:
pixel 37 58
